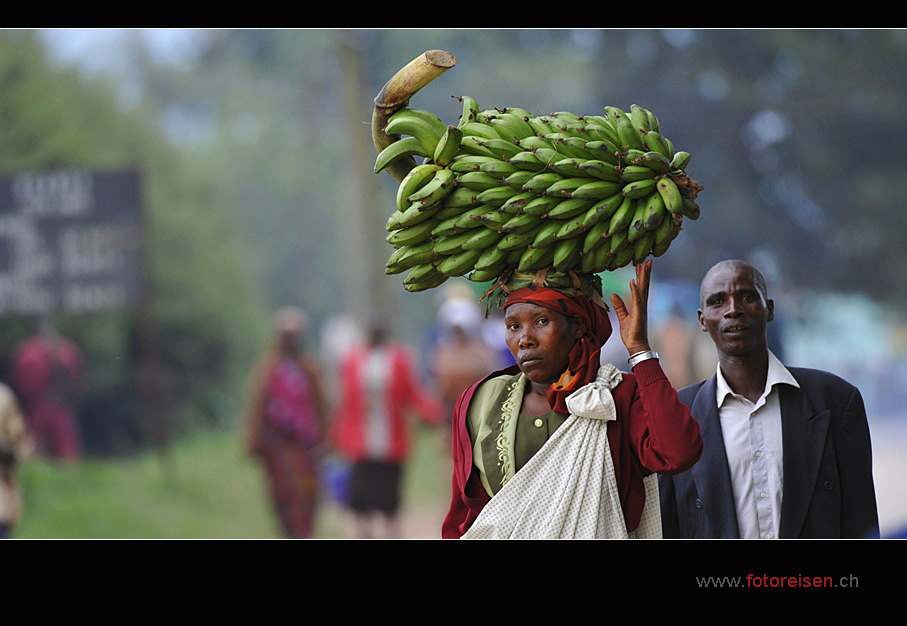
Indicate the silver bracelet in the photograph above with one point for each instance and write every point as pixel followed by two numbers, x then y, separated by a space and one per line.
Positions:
pixel 639 357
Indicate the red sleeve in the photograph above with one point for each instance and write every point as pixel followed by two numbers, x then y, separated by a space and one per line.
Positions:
pixel 468 496
pixel 664 436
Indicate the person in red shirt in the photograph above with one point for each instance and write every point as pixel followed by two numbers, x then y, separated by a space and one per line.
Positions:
pixel 379 392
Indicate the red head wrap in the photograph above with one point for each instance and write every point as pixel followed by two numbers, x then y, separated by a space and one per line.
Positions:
pixel 584 356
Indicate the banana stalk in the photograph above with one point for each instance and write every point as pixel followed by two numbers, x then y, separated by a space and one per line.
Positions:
pixel 397 93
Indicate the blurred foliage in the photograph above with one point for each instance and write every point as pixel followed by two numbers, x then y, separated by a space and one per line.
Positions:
pixel 794 135
pixel 209 318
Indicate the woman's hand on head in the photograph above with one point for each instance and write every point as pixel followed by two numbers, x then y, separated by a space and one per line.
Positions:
pixel 634 322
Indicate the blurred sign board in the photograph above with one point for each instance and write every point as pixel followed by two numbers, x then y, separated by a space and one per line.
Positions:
pixel 70 241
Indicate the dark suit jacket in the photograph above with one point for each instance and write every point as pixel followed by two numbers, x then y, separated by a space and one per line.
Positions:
pixel 828 485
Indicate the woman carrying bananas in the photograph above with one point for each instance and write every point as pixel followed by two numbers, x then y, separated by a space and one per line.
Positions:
pixel 559 445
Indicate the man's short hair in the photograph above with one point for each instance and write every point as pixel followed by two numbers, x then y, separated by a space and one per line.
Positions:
pixel 758 278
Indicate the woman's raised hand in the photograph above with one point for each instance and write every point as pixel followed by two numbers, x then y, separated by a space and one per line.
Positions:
pixel 634 323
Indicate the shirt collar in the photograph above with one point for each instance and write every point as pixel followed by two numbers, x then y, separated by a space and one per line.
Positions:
pixel 777 375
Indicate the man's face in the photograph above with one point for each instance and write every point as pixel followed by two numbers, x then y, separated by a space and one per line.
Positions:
pixel 540 340
pixel 735 312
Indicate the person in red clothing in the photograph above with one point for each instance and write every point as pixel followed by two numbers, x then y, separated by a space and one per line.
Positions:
pixel 379 392
pixel 559 445
pixel 47 375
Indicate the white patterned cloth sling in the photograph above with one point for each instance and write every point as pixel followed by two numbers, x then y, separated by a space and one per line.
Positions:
pixel 568 489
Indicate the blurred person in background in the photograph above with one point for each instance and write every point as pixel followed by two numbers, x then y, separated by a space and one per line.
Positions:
pixel 461 356
pixel 380 391
pixel 787 450
pixel 47 375
pixel 15 444
pixel 285 423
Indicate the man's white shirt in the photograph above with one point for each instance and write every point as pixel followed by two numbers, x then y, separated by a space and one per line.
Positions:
pixel 753 443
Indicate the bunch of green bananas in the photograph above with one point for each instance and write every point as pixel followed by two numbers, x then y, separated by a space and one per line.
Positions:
pixel 508 193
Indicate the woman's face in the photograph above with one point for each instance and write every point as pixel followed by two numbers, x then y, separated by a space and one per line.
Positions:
pixel 540 340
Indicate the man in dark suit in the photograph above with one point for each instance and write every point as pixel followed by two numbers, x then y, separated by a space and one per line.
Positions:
pixel 786 450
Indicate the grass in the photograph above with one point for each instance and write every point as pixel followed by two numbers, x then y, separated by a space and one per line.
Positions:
pixel 204 488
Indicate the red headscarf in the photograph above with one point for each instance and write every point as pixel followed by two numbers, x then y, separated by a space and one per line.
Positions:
pixel 583 361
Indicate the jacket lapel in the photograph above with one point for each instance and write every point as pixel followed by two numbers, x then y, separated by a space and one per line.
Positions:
pixel 804 431
pixel 711 473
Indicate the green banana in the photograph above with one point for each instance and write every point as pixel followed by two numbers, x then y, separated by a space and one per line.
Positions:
pixel 655 142
pixel 567 186
pixel 435 190
pixel 568 167
pixel 400 149
pixel 629 135
pixel 511 126
pixel 492 257
pixel 545 235
pixel 461 197
pixel 492 219
pixel 470 110
pixel 411 235
pixel 498 168
pixel 567 253
pixel 655 212
pixel 665 229
pixel 655 161
pixel 477 181
pixel 469 219
pixel 600 169
pixel 540 205
pixel 604 209
pixel 541 125
pixel 527 160
pixel 639 188
pixel 514 241
pixel 643 247
pixel 632 173
pixel 463 163
pixel 480 130
pixel 420 273
pixel 393 222
pixel 690 209
pixel 595 236
pixel 541 181
pixel 516 203
pixel 482 239
pixel 518 178
pixel 669 192
pixel 535 258
pixel 570 207
pixel 416 214
pixel 501 148
pixel 637 227
pixel 452 244
pixel 639 118
pixel 521 223
pixel 534 142
pixel 573 227
pixel 496 196
pixel 596 190
pixel 417 255
pixel 470 144
pixel 414 180
pixel 483 276
pixel 423 125
pixel 448 146
pixel 681 160
pixel 622 216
